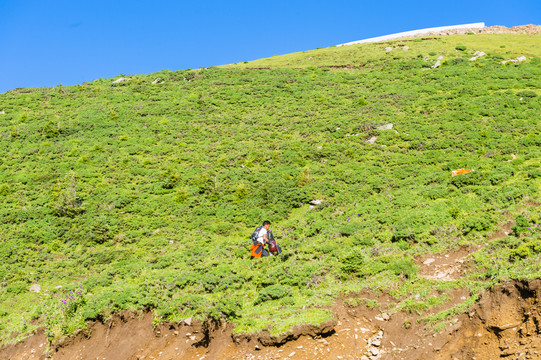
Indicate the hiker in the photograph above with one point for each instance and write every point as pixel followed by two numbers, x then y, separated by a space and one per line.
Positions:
pixel 261 236
pixel 259 239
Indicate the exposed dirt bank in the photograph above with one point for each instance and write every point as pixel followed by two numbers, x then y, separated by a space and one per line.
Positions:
pixel 505 323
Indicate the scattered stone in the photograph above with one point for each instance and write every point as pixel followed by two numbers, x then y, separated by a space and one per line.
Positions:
pixel 188 321
pixel 58 287
pixel 292 354
pixel 388 49
pixel 376 343
pixel 440 57
pixel 192 337
pixel 315 202
pixel 428 261
pixel 257 347
pixel 2 112
pixel 517 60
pixel 477 55
pixel 385 316
pixel 35 288
pixel 436 65
pixel 374 351
pixel 406 48
pixel 385 127
pixel 121 80
pixel 372 140
pixel 157 80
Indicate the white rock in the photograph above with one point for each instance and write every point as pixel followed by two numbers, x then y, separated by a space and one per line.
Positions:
pixel 437 64
pixel 372 140
pixel 374 351
pixel 521 58
pixel 479 53
pixel 2 112
pixel 157 80
pixel 35 288
pixel 388 49
pixel 58 287
pixel 385 127
pixel 316 202
pixel 192 337
pixel 440 57
pixel 385 316
pixel 428 261
pixel 292 354
pixel 406 48
pixel 120 80
pixel 188 321
pixel 376 343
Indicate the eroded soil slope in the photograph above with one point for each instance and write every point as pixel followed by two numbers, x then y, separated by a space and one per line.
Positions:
pixel 505 323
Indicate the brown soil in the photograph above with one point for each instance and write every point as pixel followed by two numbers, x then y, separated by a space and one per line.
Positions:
pixel 506 323
pixel 445 267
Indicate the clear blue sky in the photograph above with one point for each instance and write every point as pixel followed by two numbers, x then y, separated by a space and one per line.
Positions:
pixel 52 42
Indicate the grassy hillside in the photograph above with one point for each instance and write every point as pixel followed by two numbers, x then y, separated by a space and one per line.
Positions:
pixel 142 195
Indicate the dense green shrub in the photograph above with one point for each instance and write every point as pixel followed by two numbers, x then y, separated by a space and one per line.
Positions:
pixel 527 93
pixel 475 223
pixel 272 292
pixel 521 225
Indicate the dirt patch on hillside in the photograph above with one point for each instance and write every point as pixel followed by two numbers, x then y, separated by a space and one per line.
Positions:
pixel 505 323
pixel 445 267
pixel 456 263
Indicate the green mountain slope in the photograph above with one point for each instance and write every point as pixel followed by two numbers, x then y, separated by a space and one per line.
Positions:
pixel 142 195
